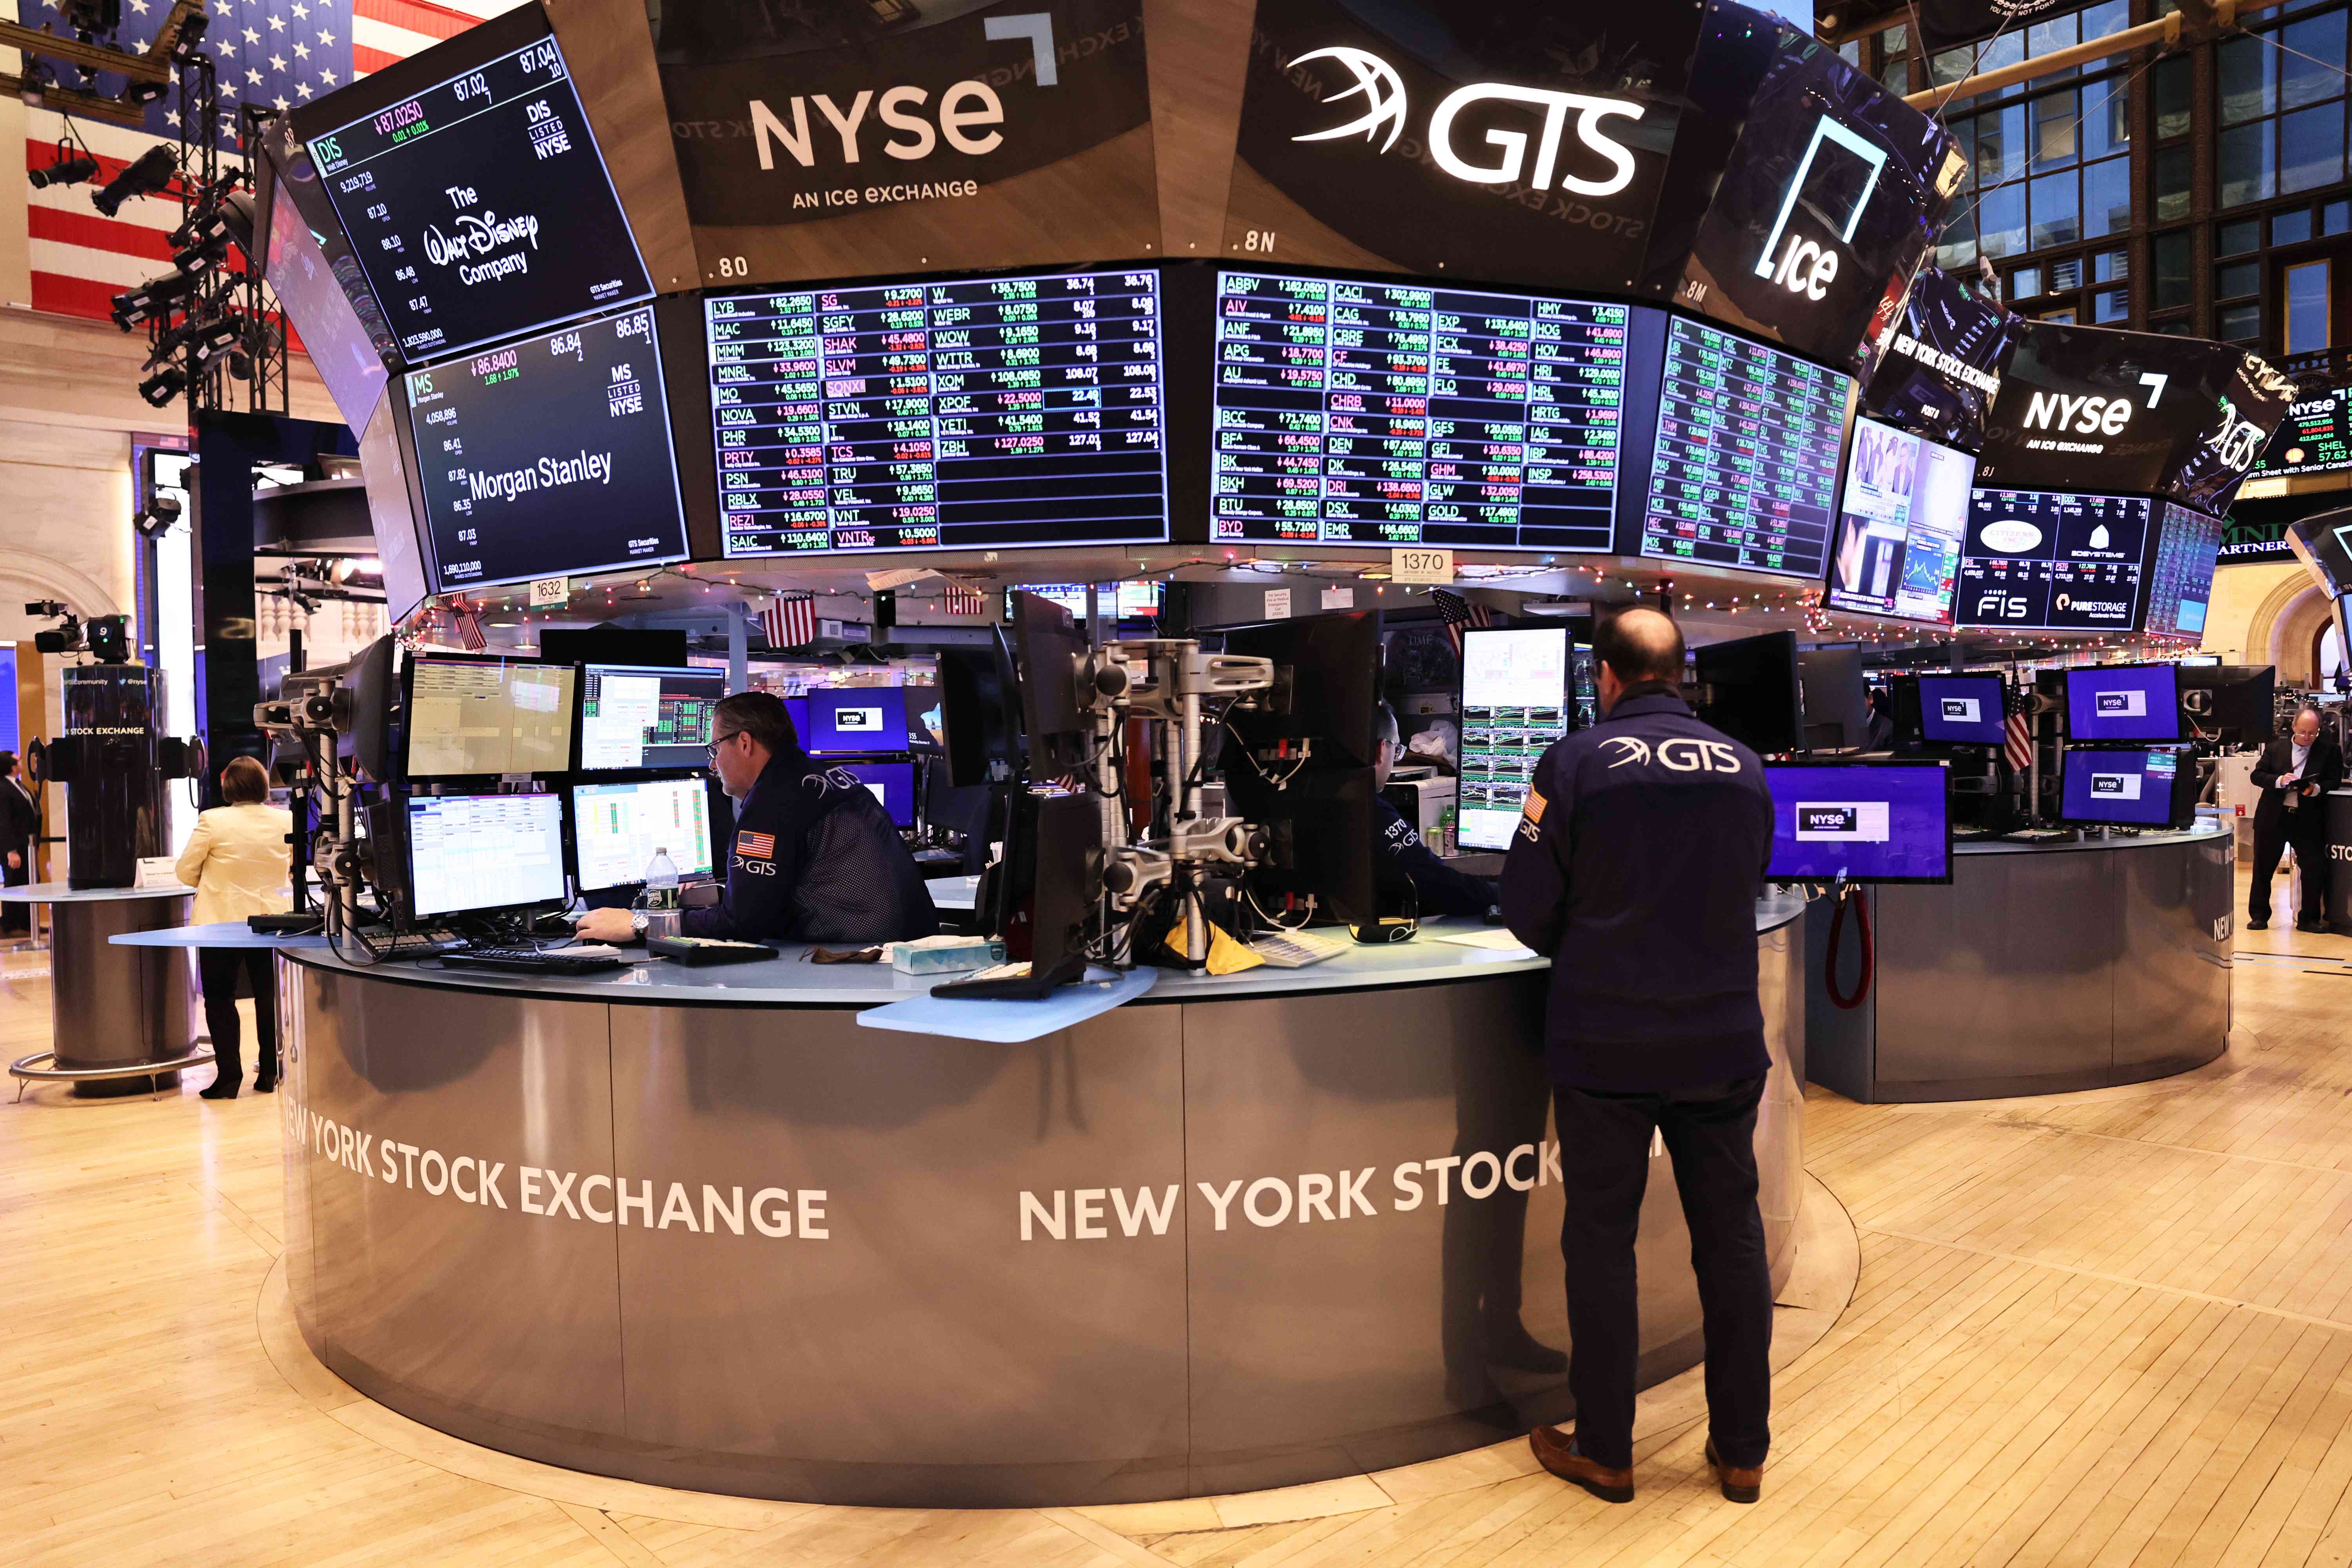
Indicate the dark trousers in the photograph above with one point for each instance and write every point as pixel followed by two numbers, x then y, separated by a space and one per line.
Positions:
pixel 2310 858
pixel 16 919
pixel 1604 1148
pixel 218 968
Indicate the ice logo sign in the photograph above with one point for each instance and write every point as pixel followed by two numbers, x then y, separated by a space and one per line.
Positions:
pixel 1804 267
pixel 1385 107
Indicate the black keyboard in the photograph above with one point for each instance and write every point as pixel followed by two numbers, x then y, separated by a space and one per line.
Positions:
pixel 529 960
pixel 390 949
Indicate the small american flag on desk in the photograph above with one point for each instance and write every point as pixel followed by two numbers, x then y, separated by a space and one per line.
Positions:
pixel 1460 614
pixel 280 53
pixel 2020 750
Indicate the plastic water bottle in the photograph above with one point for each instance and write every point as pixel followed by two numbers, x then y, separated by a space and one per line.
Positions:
pixel 661 894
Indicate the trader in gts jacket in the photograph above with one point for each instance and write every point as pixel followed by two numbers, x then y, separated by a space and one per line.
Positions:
pixel 1438 888
pixel 1635 868
pixel 814 858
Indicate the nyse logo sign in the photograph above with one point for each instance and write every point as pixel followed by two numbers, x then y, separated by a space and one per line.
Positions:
pixel 966 112
pixel 1386 108
pixel 1803 266
pixel 1961 710
pixel 2121 704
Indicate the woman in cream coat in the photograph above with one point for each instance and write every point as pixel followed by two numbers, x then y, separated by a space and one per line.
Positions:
pixel 237 860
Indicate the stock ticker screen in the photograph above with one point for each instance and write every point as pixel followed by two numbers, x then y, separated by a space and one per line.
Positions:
pixel 481 207
pixel 994 412
pixel 1355 413
pixel 2055 560
pixel 1746 469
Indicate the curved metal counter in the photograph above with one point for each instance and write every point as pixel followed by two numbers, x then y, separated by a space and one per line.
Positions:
pixel 113 1010
pixel 2042 969
pixel 698 1227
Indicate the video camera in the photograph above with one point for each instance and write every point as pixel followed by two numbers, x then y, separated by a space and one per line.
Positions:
pixel 106 639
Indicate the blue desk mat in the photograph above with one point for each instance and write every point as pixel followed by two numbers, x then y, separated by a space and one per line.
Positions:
pixel 1009 1022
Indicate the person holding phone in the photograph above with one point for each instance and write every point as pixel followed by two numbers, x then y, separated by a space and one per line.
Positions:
pixel 2294 774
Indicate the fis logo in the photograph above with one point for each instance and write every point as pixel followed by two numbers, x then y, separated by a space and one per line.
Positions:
pixel 1996 605
pixel 1385 109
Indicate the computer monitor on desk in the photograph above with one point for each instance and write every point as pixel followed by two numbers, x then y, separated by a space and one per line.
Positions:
pixel 636 717
pixel 1861 822
pixel 616 827
pixel 1963 710
pixel 2113 788
pixel 470 853
pixel 892 784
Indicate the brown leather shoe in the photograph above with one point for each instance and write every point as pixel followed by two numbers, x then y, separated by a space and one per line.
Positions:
pixel 1554 1453
pixel 1740 1483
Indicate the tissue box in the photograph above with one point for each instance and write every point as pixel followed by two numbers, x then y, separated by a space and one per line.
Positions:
pixel 159 871
pixel 945 954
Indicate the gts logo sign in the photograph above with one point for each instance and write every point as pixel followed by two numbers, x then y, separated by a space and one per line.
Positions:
pixel 2086 415
pixel 1681 755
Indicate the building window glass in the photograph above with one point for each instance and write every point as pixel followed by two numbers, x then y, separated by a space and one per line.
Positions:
pixel 2307 325
pixel 2281 98
pixel 2237 238
pixel 2109 305
pixel 2110 267
pixel 2057 218
pixel 2335 217
pixel 2244 158
pixel 2311 64
pixel 2237 323
pixel 2170 253
pixel 2291 227
pixel 2025 283
pixel 2065 317
pixel 2000 221
pixel 2237 279
pixel 2173 87
pixel 2248 69
pixel 2107 198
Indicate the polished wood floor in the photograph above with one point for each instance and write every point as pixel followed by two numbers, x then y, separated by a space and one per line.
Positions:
pixel 2093 1330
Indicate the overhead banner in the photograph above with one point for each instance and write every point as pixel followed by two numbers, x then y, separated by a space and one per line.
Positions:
pixel 1942 365
pixel 1523 142
pixel 1946 23
pixel 824 141
pixel 1830 199
pixel 2091 408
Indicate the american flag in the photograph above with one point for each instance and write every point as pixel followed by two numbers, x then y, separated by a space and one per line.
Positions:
pixel 789 620
pixel 965 601
pixel 2020 750
pixel 1459 612
pixel 275 52
pixel 468 626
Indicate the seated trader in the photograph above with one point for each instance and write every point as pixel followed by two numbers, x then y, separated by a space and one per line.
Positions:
pixel 815 858
pixel 1438 888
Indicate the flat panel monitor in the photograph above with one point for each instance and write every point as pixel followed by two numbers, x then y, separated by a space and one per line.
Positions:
pixel 2316 438
pixel 2180 579
pixel 2123 703
pixel 1836 696
pixel 1751 691
pixel 469 852
pixel 320 312
pixel 1900 525
pixel 1122 601
pixel 617 828
pixel 1866 822
pixel 1745 472
pixel 548 458
pixel 481 207
pixel 1963 710
pixel 1514 704
pixel 2125 789
pixel 636 716
pixel 2055 560
pixel 797 710
pixel 1326 692
pixel 853 720
pixel 470 717
pixel 2234 703
pixel 977 414
pixel 1389 414
pixel 892 784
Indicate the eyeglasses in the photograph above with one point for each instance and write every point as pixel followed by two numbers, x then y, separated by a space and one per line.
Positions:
pixel 719 741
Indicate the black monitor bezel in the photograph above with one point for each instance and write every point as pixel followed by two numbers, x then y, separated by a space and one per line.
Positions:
pixel 1925 676
pixel 2176 821
pixel 2066 707
pixel 571 790
pixel 580 716
pixel 408 717
pixel 405 798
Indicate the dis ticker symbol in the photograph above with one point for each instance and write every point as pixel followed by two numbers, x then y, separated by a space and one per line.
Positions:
pixel 1383 92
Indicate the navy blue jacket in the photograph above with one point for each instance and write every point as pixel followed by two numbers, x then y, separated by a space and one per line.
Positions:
pixel 1438 888
pixel 815 859
pixel 1635 868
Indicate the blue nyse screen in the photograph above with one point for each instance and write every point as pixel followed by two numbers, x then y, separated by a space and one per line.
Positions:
pixel 1866 823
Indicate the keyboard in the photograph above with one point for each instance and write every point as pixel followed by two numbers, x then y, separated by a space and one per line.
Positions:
pixel 1298 949
pixel 414 944
pixel 582 960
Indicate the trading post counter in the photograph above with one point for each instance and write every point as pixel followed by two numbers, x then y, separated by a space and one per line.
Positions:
pixel 699 1227
pixel 2042 969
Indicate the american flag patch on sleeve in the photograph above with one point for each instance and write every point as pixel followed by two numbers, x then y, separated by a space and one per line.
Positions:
pixel 756 846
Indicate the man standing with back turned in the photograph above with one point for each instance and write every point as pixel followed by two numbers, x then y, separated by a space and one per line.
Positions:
pixel 1636 867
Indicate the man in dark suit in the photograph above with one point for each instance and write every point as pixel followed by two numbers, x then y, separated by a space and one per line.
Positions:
pixel 20 823
pixel 2294 774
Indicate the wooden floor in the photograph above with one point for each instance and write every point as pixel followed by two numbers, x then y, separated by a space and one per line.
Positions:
pixel 2090 1330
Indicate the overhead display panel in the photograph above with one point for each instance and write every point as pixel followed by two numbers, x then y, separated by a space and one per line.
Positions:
pixel 1368 413
pixel 1901 521
pixel 2316 437
pixel 341 348
pixel 1744 471
pixel 480 207
pixel 1831 198
pixel 2180 581
pixel 986 412
pixel 548 456
pixel 1521 141
pixel 1943 365
pixel 2052 561
pixel 2140 413
pixel 824 140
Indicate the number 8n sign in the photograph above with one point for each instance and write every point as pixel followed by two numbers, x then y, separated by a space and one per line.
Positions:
pixel 1433 566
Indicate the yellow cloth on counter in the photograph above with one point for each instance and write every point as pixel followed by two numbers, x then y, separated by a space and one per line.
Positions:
pixel 1226 956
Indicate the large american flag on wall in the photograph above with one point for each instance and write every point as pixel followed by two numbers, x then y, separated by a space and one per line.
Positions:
pixel 278 52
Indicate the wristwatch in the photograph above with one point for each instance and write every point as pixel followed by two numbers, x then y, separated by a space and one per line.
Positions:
pixel 637 922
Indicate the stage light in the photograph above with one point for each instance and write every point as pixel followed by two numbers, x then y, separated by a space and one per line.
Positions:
pixel 149 174
pixel 71 169
pixel 156 519
pixel 164 385
pixel 151 301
